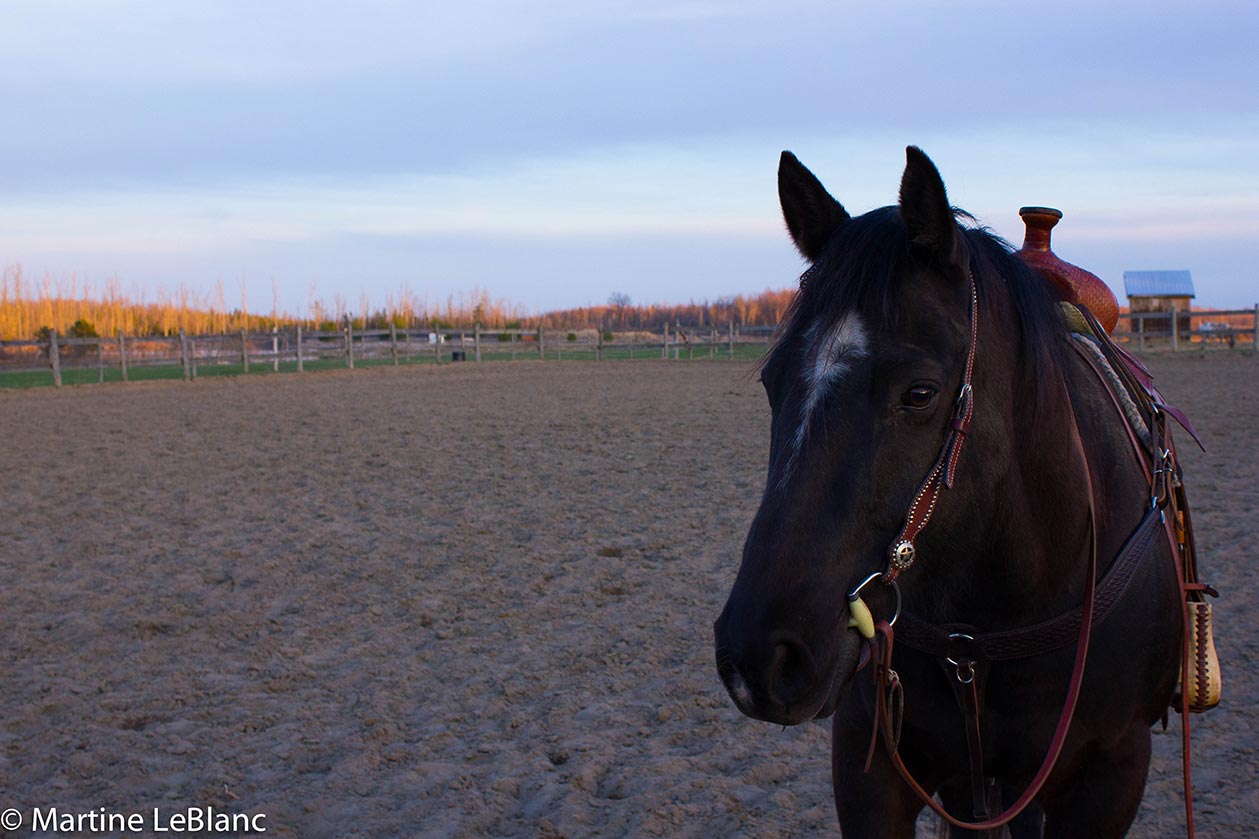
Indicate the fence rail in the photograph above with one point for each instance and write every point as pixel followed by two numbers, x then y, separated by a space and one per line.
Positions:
pixel 126 357
pixel 296 349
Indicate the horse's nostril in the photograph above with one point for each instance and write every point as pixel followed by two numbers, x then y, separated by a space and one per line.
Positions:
pixel 792 672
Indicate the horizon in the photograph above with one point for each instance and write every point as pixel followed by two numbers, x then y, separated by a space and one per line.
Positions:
pixel 552 154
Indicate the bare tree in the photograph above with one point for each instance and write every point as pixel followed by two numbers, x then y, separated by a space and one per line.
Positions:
pixel 620 303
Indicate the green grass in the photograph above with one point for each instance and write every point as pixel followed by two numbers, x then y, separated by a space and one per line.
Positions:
pixel 90 375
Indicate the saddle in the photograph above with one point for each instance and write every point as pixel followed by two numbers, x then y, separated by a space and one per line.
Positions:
pixel 1144 412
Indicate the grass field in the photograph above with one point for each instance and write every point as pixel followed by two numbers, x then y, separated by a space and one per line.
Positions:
pixel 154 372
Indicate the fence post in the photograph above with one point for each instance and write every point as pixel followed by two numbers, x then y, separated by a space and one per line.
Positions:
pixel 183 355
pixel 1140 334
pixel 541 352
pixel 122 354
pixel 1175 329
pixel 192 355
pixel 437 344
pixel 732 340
pixel 393 342
pixel 664 348
pixel 599 345
pixel 712 342
pixel 300 365
pixel 349 343
pixel 275 349
pixel 476 342
pixel 54 357
pixel 1255 328
pixel 100 362
pixel 244 351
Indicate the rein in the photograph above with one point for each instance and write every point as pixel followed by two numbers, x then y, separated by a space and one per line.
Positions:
pixel 969 655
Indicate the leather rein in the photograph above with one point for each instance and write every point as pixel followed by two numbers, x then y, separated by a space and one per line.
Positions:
pixel 968 653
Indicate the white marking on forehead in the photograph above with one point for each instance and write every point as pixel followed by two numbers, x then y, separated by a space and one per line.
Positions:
pixel 832 355
pixel 827 358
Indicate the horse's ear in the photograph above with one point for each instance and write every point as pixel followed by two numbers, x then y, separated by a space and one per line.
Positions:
pixel 812 215
pixel 926 211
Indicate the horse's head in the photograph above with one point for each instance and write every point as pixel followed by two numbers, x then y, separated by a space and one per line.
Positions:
pixel 862 383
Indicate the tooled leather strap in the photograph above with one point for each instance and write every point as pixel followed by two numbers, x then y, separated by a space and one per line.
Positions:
pixel 902 551
pixel 1049 635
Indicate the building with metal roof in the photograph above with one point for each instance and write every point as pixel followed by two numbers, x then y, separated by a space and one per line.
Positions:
pixel 1158 284
pixel 1159 291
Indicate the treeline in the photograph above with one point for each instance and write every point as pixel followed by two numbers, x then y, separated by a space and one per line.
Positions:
pixel 620 313
pixel 28 309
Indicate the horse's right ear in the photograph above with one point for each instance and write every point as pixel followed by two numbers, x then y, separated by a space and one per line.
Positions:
pixel 812 215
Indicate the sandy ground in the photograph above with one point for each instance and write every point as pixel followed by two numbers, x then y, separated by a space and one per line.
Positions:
pixel 466 601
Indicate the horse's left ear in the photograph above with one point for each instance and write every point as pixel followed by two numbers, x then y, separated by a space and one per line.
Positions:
pixel 925 209
pixel 812 215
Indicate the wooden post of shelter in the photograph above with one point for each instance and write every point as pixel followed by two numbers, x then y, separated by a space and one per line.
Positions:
pixel 300 365
pixel 1254 332
pixel 393 342
pixel 476 341
pixel 122 354
pixel 1140 334
pixel 54 357
pixel 1175 330
pixel 244 351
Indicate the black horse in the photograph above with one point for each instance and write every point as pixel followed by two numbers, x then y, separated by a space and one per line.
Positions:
pixel 913 328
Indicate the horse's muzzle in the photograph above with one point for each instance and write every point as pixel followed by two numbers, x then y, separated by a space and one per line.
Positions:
pixel 783 680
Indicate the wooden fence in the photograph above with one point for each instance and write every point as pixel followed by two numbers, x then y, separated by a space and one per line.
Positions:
pixel 297 349
pixel 1195 329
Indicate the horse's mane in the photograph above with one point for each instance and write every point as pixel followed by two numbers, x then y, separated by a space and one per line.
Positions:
pixel 862 263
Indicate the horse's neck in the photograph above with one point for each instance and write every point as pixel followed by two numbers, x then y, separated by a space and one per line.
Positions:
pixel 1025 559
pixel 1073 463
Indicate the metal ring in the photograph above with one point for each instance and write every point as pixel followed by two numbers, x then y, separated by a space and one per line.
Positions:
pixel 855 594
pixel 953 635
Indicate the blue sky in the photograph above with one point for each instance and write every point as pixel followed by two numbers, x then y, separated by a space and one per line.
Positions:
pixel 552 153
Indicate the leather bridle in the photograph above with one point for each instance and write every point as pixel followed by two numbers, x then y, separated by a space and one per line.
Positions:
pixel 966 652
pixel 902 552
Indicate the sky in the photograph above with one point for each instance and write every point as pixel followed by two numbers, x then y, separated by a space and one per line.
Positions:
pixel 552 153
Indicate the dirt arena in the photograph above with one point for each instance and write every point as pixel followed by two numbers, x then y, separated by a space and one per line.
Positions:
pixel 473 600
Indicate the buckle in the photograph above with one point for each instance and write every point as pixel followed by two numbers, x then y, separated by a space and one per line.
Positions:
pixel 963 400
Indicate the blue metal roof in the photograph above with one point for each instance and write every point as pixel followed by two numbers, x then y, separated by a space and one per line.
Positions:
pixel 1158 284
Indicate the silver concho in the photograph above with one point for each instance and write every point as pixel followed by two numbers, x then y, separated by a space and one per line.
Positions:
pixel 903 555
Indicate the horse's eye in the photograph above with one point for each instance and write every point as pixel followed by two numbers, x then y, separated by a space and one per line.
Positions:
pixel 919 398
